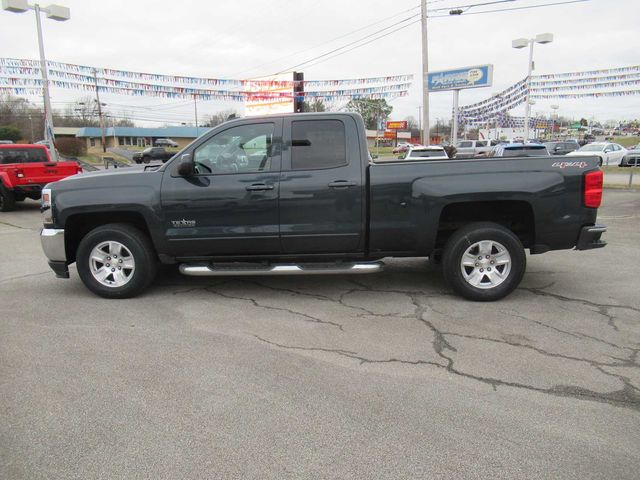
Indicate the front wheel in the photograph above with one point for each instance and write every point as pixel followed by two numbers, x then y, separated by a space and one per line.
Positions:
pixel 116 261
pixel 484 262
pixel 7 199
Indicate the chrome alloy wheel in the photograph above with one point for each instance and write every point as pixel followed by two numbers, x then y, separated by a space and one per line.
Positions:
pixel 112 264
pixel 485 264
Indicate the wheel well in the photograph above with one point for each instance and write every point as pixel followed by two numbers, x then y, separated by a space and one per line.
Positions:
pixel 77 226
pixel 517 216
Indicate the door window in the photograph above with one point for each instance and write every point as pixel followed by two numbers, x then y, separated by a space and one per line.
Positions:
pixel 241 149
pixel 318 144
pixel 465 144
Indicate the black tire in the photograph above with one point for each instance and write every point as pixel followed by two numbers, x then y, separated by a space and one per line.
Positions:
pixel 139 246
pixel 7 199
pixel 466 237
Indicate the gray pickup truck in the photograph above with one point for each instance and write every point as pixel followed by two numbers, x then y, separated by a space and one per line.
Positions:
pixel 299 194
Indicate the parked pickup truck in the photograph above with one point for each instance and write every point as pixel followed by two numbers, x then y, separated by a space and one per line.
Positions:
pixel 474 148
pixel 25 169
pixel 152 153
pixel 299 194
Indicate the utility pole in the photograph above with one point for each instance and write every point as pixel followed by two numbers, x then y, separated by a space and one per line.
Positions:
pixel 95 82
pixel 420 124
pixel 195 108
pixel 425 70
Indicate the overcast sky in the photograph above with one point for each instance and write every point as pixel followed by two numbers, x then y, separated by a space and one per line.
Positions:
pixel 248 38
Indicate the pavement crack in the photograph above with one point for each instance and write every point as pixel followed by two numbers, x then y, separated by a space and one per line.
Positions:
pixel 601 308
pixel 539 350
pixel 627 397
pixel 347 354
pixel 305 316
pixel 19 277
pixel 578 335
pixel 17 226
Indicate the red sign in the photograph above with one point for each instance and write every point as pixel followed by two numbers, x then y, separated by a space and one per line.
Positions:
pixel 389 134
pixel 397 125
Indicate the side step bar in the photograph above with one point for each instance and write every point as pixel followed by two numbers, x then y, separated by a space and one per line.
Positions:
pixel 223 270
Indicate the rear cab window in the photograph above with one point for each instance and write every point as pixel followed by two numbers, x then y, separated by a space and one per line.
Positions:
pixel 427 153
pixel 318 144
pixel 23 155
pixel 526 151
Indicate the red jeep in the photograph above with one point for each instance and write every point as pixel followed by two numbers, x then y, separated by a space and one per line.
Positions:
pixel 25 170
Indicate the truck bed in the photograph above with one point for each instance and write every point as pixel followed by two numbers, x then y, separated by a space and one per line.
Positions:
pixel 408 198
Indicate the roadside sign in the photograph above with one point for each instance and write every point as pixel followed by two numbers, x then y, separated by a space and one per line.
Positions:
pixel 397 125
pixel 389 134
pixel 460 78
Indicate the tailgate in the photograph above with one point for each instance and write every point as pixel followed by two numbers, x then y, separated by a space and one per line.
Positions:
pixel 38 173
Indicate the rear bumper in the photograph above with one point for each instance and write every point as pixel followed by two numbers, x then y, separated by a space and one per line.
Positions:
pixel 589 237
pixel 29 189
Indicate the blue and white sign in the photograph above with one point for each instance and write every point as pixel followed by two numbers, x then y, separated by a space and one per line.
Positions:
pixel 460 78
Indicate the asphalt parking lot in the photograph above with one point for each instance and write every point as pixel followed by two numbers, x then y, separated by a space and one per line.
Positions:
pixel 383 376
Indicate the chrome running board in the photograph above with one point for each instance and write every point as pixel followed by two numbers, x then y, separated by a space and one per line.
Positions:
pixel 234 270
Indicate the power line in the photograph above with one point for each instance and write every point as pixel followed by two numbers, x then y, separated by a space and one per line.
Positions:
pixel 351 43
pixel 365 27
pixel 471 5
pixel 361 45
pixel 341 50
pixel 515 8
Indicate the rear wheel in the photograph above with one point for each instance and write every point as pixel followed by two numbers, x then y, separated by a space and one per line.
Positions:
pixel 7 199
pixel 484 261
pixel 116 261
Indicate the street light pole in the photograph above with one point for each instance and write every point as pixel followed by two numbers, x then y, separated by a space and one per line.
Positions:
pixel 54 12
pixel 425 70
pixel 95 82
pixel 48 114
pixel 542 38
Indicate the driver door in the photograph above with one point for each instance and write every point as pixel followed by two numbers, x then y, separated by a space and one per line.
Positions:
pixel 230 205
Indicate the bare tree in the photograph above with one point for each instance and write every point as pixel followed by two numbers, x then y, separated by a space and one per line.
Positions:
pixel 219 117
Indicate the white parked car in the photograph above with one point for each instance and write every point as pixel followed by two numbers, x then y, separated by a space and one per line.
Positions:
pixel 432 152
pixel 609 153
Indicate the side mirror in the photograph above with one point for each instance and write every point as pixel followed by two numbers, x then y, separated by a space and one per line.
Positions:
pixel 374 156
pixel 185 166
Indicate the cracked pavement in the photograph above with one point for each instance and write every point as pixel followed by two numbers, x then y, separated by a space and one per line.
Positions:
pixel 376 376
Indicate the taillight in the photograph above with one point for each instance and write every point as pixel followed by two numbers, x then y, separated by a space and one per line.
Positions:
pixel 593 189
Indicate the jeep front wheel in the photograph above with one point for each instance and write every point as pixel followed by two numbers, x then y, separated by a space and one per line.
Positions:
pixel 116 261
pixel 7 199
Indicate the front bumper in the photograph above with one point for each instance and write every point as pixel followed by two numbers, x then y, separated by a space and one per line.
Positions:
pixel 52 240
pixel 590 237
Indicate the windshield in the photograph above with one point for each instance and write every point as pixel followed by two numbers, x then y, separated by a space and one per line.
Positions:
pixel 526 151
pixel 427 153
pixel 22 155
pixel 592 148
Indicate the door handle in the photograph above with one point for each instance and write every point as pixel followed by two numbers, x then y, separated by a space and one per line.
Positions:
pixel 341 184
pixel 258 187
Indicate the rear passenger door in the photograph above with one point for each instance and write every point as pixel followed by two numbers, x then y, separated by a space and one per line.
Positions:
pixel 322 186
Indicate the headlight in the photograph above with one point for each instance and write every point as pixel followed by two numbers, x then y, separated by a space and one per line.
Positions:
pixel 46 206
